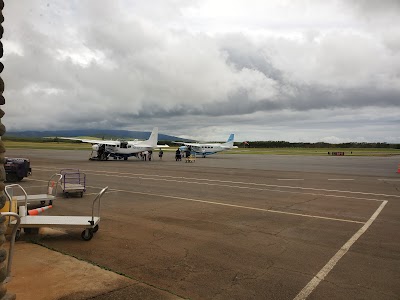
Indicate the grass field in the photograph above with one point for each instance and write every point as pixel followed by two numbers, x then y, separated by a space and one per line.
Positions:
pixel 266 151
pixel 318 151
pixel 47 145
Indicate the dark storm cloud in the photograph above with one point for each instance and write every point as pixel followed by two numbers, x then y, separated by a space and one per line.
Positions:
pixel 243 54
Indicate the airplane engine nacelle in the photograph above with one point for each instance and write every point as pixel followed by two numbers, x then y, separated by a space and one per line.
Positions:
pixel 95 147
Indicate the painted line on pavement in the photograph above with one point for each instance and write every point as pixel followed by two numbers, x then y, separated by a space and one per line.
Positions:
pixel 237 206
pixel 340 179
pixel 233 186
pixel 383 179
pixel 223 204
pixel 246 187
pixel 234 182
pixel 309 288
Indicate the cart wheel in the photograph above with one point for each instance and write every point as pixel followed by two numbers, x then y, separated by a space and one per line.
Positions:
pixel 67 194
pixel 42 202
pixel 87 234
pixel 95 228
pixel 18 234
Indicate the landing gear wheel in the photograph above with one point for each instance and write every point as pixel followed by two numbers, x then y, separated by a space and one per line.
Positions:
pixel 87 234
pixel 95 229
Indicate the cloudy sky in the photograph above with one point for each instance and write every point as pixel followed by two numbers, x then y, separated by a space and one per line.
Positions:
pixel 300 70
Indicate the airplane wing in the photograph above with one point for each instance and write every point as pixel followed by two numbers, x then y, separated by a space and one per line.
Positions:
pixel 102 142
pixel 162 146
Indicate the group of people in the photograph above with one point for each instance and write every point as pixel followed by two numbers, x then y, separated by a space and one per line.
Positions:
pixel 179 154
pixel 146 155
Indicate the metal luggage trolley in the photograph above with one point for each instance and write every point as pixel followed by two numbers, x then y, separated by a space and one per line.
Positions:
pixel 51 194
pixel 12 241
pixel 90 224
pixel 73 181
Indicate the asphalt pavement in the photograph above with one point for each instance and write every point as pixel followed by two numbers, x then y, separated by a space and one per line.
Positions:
pixel 224 227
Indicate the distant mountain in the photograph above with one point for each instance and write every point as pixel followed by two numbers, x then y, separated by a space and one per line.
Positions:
pixel 100 133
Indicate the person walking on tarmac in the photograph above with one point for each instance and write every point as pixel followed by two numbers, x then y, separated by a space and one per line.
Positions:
pixel 100 152
pixel 160 154
pixel 178 156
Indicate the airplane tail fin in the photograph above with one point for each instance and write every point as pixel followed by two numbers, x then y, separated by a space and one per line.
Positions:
pixel 153 139
pixel 230 141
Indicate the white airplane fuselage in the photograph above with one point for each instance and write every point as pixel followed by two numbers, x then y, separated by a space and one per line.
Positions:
pixel 208 148
pixel 204 149
pixel 124 149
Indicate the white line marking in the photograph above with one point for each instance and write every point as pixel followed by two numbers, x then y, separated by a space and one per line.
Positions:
pixel 383 179
pixel 340 179
pixel 308 289
pixel 234 182
pixel 238 206
pixel 290 179
pixel 244 187
pixel 231 186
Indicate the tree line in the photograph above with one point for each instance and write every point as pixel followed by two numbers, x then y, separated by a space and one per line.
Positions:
pixel 283 144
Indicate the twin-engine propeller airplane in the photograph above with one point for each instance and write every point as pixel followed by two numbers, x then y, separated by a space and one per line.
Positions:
pixel 209 148
pixel 103 150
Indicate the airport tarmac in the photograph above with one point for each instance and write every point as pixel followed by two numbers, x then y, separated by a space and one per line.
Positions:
pixel 236 226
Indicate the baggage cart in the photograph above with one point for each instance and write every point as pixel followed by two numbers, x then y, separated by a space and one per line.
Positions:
pixel 73 181
pixel 89 224
pixel 52 186
pixel 12 241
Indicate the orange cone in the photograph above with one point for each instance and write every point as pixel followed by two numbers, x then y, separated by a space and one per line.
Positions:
pixel 36 211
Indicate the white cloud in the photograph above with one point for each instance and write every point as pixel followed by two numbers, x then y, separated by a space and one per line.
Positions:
pixel 282 70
